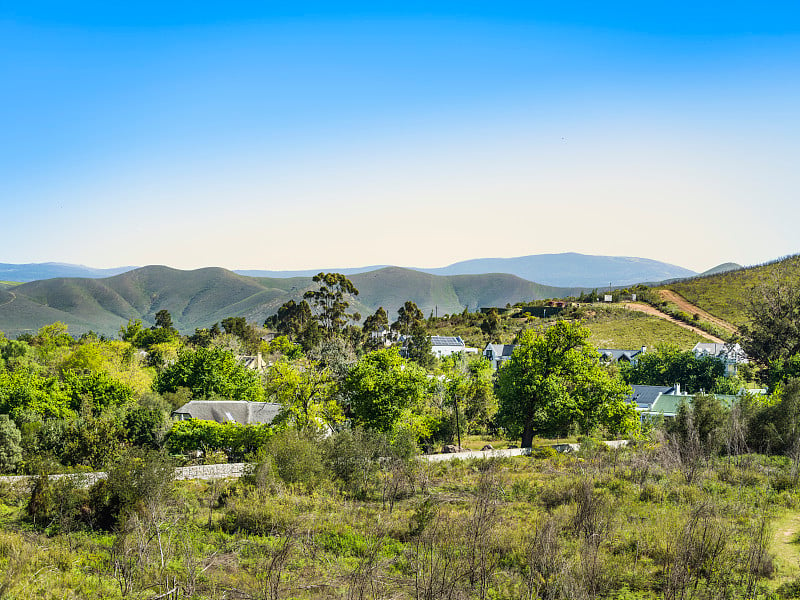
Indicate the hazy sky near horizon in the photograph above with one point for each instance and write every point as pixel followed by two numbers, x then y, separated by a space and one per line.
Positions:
pixel 318 135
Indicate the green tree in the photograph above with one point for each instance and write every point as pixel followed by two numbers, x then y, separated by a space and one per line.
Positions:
pixel 306 392
pixel 772 336
pixel 554 384
pixel 22 391
pixel 491 324
pixel 372 327
pixel 249 336
pixel 330 301
pixel 291 319
pixel 210 372
pixel 99 389
pixel 381 385
pixel 668 365
pixel 409 318
pixel 10 448
pixel 163 320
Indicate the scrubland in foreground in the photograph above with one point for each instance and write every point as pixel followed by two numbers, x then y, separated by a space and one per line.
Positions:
pixel 658 520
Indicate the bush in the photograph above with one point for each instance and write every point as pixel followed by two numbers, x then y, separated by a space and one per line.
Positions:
pixel 10 448
pixel 139 482
pixel 58 505
pixel 298 459
pixel 353 458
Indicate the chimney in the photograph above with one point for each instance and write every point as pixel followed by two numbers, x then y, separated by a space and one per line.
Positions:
pixel 644 349
pixel 677 389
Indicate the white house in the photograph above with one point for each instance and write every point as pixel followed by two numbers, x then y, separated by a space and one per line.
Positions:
pixel 497 353
pixel 612 355
pixel 731 355
pixel 442 346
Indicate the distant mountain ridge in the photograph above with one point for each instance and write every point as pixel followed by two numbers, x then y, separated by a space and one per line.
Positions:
pixel 35 271
pixel 578 269
pixel 558 270
pixel 203 297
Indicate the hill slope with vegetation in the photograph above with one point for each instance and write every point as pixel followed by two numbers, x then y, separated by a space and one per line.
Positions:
pixel 725 295
pixel 202 297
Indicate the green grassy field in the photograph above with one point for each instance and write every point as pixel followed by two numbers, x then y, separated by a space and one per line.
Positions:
pixel 725 295
pixel 615 327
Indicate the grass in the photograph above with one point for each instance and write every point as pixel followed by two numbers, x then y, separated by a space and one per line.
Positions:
pixel 786 546
pixel 602 523
pixel 725 295
pixel 616 327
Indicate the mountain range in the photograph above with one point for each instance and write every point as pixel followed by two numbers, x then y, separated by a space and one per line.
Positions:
pixel 202 297
pixel 560 270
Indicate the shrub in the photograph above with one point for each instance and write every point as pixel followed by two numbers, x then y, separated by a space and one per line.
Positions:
pixel 10 448
pixel 298 459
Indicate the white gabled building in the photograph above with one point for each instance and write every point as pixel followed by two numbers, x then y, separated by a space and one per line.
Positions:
pixel 497 353
pixel 731 355
pixel 442 345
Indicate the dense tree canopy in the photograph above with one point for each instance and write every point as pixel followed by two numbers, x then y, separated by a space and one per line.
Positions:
pixel 381 385
pixel 554 384
pixel 667 365
pixel 210 372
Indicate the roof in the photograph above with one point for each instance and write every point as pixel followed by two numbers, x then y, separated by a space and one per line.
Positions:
pixel 445 340
pixel 645 396
pixel 503 350
pixel 732 351
pixel 668 405
pixel 615 355
pixel 222 411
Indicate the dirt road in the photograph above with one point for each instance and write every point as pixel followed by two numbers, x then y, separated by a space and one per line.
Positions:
pixel 647 309
pixel 686 306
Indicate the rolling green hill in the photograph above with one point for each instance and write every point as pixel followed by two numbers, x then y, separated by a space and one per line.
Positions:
pixel 725 295
pixel 202 297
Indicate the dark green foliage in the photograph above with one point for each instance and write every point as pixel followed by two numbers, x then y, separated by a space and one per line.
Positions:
pixel 10 448
pixel 381 385
pixel 163 320
pixel 99 389
pixel 773 331
pixel 144 427
pixel 291 319
pixel 297 458
pixel 238 441
pixel 330 302
pixel 239 327
pixel 668 365
pixel 138 481
pixel 409 318
pixel 418 347
pixel 210 372
pixel 58 505
pixel 706 418
pixel 491 324
pixel 776 428
pixel 353 459
pixel 554 385
pixel 92 440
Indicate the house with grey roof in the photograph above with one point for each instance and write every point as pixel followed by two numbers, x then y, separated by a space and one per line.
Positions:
pixel 658 400
pixel 612 355
pixel 731 355
pixel 228 411
pixel 443 345
pixel 498 353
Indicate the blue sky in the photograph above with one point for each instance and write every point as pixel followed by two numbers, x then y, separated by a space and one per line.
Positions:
pixel 317 135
